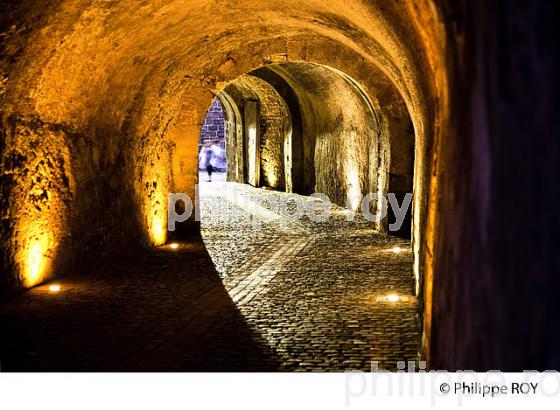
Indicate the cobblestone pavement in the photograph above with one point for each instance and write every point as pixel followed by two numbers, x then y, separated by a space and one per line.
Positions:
pixel 304 297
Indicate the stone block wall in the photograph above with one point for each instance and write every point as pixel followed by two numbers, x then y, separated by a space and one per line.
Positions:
pixel 213 128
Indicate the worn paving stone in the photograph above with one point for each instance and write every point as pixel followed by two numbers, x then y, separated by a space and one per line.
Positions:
pixel 295 299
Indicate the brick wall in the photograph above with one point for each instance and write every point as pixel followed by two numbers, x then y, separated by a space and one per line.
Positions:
pixel 213 129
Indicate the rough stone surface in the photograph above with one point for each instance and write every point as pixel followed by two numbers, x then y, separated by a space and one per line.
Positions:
pixel 274 128
pixel 300 299
pixel 213 125
pixel 344 142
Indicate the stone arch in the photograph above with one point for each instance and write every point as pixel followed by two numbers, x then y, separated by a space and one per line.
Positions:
pixel 389 153
pixel 234 137
pixel 322 51
pixel 274 128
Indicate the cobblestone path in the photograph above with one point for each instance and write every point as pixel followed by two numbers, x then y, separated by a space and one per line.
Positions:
pixel 300 297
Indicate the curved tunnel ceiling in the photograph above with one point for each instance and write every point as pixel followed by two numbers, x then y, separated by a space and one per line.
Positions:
pixel 138 50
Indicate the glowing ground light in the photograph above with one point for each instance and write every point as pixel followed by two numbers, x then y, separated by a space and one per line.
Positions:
pixel 396 249
pixel 174 245
pixel 54 288
pixel 394 298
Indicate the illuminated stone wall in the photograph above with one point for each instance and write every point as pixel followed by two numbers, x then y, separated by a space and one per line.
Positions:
pixel 338 130
pixel 38 187
pixel 274 126
pixel 344 143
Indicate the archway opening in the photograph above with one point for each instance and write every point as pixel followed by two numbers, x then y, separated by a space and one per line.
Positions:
pixel 212 163
pixel 302 136
pixel 401 181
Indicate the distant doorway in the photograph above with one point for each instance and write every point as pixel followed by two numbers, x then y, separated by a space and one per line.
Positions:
pixel 212 163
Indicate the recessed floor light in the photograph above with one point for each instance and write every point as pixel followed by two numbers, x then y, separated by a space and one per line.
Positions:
pixel 174 245
pixel 393 298
pixel 54 288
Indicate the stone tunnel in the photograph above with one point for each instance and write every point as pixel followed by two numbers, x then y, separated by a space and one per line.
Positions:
pixel 101 108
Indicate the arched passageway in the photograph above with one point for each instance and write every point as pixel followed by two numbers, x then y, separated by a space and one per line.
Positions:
pixel 101 107
pixel 308 128
pixel 315 288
